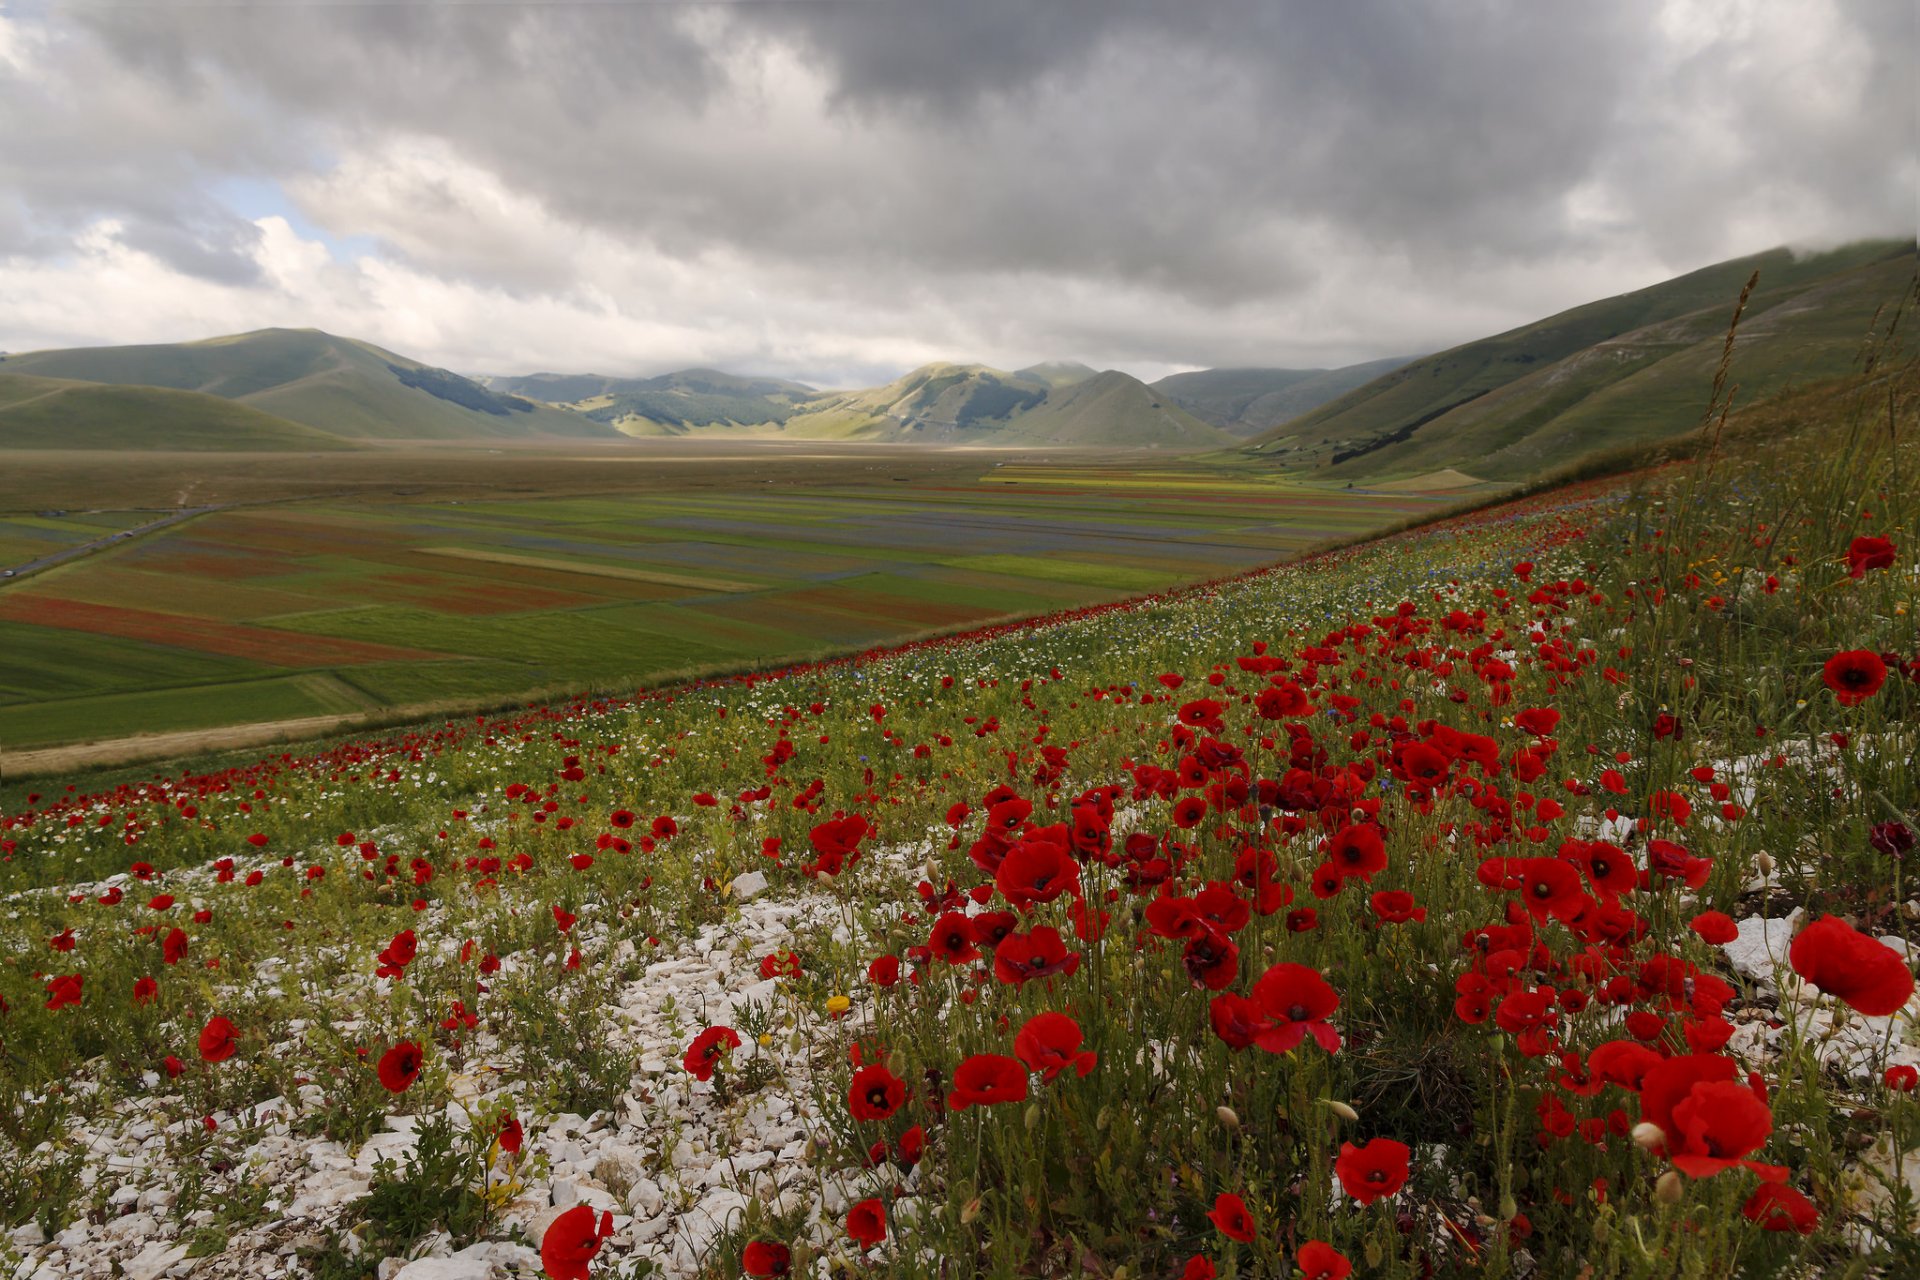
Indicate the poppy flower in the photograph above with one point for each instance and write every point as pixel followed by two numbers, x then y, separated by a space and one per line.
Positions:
pixel 952 939
pixel 173 949
pixel 1778 1207
pixel 867 1223
pixel 1358 850
pixel 1198 1268
pixel 875 1094
pixel 1298 1002
pixel 1396 906
pixel 511 1137
pixel 1372 1170
pixel 1869 553
pixel 1318 1260
pixel 1865 972
pixel 1038 953
pixel 838 837
pixel 987 1079
pixel 400 1066
pixel 1236 1020
pixel 711 1045
pixel 217 1039
pixel 144 990
pixel 1213 962
pixel 884 971
pixel 572 1240
pixel 1891 838
pixel 1229 1213
pixel 1716 927
pixel 1854 676
pixel 1903 1078
pixel 1549 886
pixel 1050 1042
pixel 1709 1120
pixel 763 1258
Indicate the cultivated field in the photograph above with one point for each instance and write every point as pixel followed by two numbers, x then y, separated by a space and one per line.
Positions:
pixel 395 598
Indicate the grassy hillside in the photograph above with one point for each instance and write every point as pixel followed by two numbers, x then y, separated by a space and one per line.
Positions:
pixel 1248 402
pixel 339 385
pixel 54 413
pixel 1112 408
pixel 1476 405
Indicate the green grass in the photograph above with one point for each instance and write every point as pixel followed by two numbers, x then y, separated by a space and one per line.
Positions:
pixel 46 413
pixel 1119 577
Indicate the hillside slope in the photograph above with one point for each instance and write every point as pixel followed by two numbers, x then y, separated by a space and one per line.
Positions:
pixel 339 385
pixel 1598 375
pixel 56 413
pixel 1248 402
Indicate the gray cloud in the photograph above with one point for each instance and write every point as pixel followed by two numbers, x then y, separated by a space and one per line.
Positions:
pixel 834 189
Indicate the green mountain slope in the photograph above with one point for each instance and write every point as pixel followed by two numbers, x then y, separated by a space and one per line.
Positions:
pixel 55 413
pixel 1248 402
pixel 1112 408
pixel 1627 368
pixel 339 385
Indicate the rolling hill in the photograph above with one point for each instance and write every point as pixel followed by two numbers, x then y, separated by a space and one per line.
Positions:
pixel 674 404
pixel 339 385
pixel 1623 370
pixel 974 404
pixel 1248 402
pixel 57 413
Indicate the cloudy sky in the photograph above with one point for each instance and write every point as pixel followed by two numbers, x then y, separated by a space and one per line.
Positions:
pixel 837 190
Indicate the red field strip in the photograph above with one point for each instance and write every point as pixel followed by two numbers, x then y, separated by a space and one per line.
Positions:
pixel 256 644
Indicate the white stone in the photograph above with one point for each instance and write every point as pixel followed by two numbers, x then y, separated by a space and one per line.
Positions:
pixel 1762 945
pixel 748 885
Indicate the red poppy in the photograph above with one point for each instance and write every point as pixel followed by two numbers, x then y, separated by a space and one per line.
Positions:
pixel 173 949
pixel 1843 962
pixel 1213 962
pixel 400 1066
pixel 1903 1078
pixel 838 838
pixel 988 1079
pixel 952 939
pixel 1716 927
pixel 1318 1260
pixel 1230 1214
pixel 764 1258
pixel 1373 1169
pixel 571 1241
pixel 884 971
pixel 1854 676
pixel 875 1094
pixel 1869 553
pixel 1298 1002
pixel 1050 1042
pixel 144 990
pixel 1396 906
pixel 711 1045
pixel 1198 1268
pixel 1038 953
pixel 867 1223
pixel 1538 721
pixel 1708 1118
pixel 1778 1207
pixel 217 1039
pixel 511 1137
pixel 1549 886
pixel 1358 850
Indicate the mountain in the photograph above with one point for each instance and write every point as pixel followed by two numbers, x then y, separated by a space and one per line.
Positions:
pixel 1057 373
pixel 670 404
pixel 1248 402
pixel 1628 369
pixel 56 413
pixel 340 385
pixel 974 404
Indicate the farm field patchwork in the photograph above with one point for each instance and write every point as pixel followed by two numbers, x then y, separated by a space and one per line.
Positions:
pixel 405 603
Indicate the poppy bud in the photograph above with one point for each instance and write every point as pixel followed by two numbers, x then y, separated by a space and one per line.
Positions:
pixel 1032 1117
pixel 1669 1189
pixel 1341 1109
pixel 1764 861
pixel 969 1211
pixel 1508 1208
pixel 1228 1117
pixel 1647 1135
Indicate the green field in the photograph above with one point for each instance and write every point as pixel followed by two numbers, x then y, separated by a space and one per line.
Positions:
pixel 261 614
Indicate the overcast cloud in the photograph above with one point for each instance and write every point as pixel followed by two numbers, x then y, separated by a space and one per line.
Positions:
pixel 836 190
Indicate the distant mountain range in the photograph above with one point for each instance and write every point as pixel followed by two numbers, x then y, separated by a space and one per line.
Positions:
pixel 1622 370
pixel 1625 370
